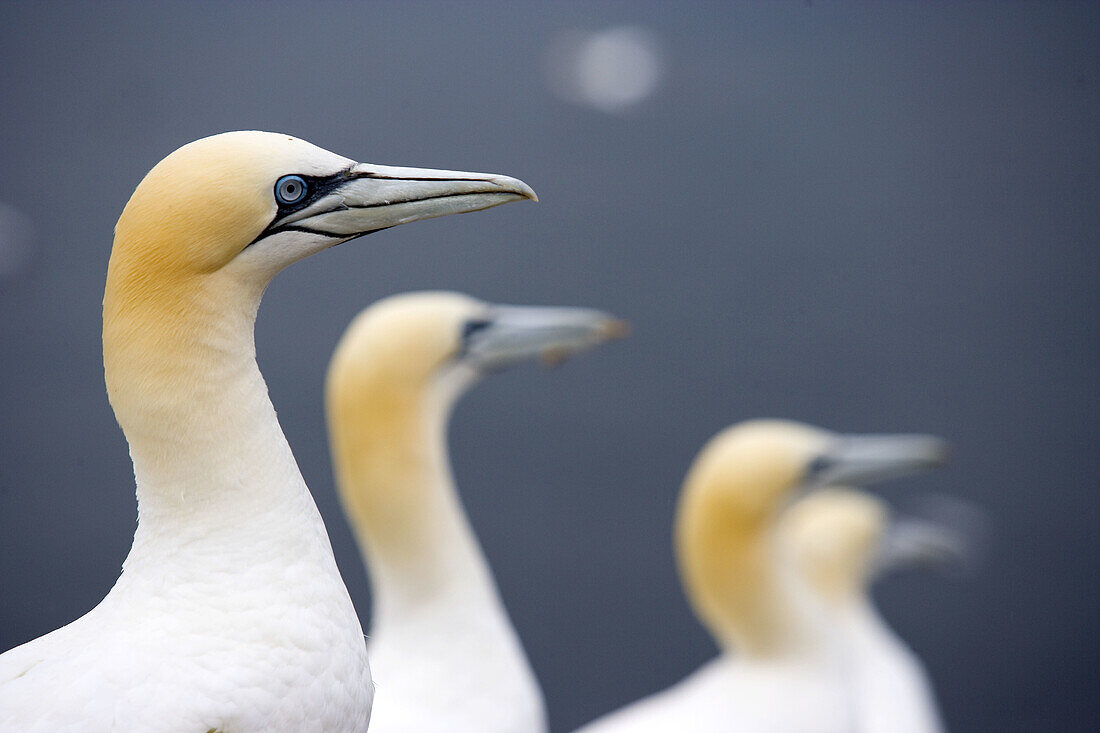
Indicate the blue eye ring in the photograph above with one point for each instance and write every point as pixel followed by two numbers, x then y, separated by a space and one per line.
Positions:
pixel 290 189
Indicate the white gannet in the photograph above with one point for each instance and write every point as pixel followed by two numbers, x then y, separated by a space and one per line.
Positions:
pixel 780 671
pixel 229 614
pixel 840 540
pixel 442 648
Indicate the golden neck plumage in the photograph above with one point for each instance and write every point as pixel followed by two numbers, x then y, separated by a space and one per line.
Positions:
pixel 734 575
pixel 180 369
pixel 388 453
pixel 173 344
pixel 392 470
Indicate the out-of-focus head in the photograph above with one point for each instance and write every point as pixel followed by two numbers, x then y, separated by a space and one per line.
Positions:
pixel 833 536
pixel 758 465
pixel 754 465
pixel 438 343
pixel 843 540
pixel 395 376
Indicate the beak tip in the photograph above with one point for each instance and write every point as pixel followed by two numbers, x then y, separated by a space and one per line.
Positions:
pixel 526 191
pixel 616 328
pixel 514 186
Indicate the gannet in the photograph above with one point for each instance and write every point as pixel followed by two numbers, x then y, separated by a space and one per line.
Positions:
pixel 442 648
pixel 841 539
pixel 780 670
pixel 229 614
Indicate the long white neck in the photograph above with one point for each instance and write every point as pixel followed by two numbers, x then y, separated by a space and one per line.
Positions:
pixel 216 480
pixel 440 559
pixel 395 478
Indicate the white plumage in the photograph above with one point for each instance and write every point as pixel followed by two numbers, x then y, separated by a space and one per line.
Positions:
pixel 781 669
pixel 230 614
pixel 443 649
pixel 839 538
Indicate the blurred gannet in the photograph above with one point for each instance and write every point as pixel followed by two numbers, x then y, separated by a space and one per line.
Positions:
pixel 441 645
pixel 229 614
pixel 841 539
pixel 780 670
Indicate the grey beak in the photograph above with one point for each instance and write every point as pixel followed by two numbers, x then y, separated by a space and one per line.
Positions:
pixel 863 459
pixel 370 197
pixel 509 335
pixel 940 532
pixel 918 543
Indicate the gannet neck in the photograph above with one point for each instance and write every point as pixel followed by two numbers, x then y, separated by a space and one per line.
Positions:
pixel 893 690
pixel 211 464
pixel 392 467
pixel 736 577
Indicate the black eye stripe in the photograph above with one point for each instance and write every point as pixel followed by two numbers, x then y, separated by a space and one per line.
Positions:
pixel 818 466
pixel 316 188
pixel 469 328
pixel 472 326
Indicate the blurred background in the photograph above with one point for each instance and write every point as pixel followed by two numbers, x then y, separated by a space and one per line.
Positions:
pixel 871 217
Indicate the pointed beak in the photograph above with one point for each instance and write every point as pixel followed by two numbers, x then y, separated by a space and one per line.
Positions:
pixel 368 198
pixel 863 459
pixel 509 335
pixel 943 533
pixel 918 543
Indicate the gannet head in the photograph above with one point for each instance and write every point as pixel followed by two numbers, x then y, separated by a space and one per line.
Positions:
pixel 436 344
pixel 758 466
pixel 211 224
pixel 834 535
pixel 841 540
pixel 393 380
pixel 260 201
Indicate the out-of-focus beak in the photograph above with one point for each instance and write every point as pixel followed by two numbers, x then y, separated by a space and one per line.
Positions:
pixel 508 335
pixel 911 542
pixel 864 459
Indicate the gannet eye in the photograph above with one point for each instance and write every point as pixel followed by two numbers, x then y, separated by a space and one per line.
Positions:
pixel 290 189
pixel 469 328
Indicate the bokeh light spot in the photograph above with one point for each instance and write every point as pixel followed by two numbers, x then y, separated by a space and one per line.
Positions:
pixel 611 70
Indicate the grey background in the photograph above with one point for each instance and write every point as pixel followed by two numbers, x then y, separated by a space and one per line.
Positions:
pixel 869 217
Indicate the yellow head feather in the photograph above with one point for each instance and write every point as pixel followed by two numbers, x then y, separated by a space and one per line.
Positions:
pixel 833 535
pixel 398 343
pixel 199 207
pixel 731 498
pixel 167 288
